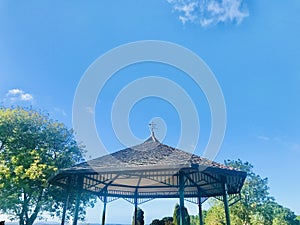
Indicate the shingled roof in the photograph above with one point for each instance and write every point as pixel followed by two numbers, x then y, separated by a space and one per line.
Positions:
pixel 150 154
pixel 150 170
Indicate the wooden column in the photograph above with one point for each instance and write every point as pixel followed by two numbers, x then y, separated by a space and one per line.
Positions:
pixel 200 209
pixel 135 209
pixel 226 207
pixel 66 203
pixel 181 197
pixel 104 208
pixel 78 196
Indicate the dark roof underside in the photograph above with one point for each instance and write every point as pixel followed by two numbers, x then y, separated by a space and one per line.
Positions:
pixel 151 170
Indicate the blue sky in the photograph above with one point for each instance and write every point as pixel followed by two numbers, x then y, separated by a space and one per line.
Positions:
pixel 252 47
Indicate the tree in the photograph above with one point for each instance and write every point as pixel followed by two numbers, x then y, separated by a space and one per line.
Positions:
pixel 139 218
pixel 164 221
pixel 195 218
pixel 256 206
pixel 32 148
pixel 255 195
pixel 215 215
pixel 282 215
pixel 167 220
pixel 176 216
pixel 157 222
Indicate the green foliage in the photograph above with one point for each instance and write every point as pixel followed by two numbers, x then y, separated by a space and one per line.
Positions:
pixel 157 222
pixel 167 220
pixel 32 148
pixel 255 195
pixel 163 221
pixel 282 215
pixel 256 207
pixel 139 218
pixel 176 216
pixel 215 215
pixel 195 218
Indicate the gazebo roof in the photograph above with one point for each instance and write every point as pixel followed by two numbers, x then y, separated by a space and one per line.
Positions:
pixel 151 170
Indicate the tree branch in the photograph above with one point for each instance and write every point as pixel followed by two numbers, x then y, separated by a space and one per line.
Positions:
pixel 37 209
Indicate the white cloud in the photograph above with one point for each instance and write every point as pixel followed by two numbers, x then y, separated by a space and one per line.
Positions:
pixel 26 97
pixel 15 95
pixel 210 12
pixel 264 138
pixel 270 138
pixel 14 92
pixel 284 143
pixel 187 10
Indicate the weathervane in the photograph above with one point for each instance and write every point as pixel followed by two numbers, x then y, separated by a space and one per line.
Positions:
pixel 152 127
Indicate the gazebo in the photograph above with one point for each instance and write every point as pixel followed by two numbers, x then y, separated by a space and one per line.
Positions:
pixel 152 170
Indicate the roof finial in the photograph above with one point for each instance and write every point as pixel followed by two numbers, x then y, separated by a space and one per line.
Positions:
pixel 152 127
